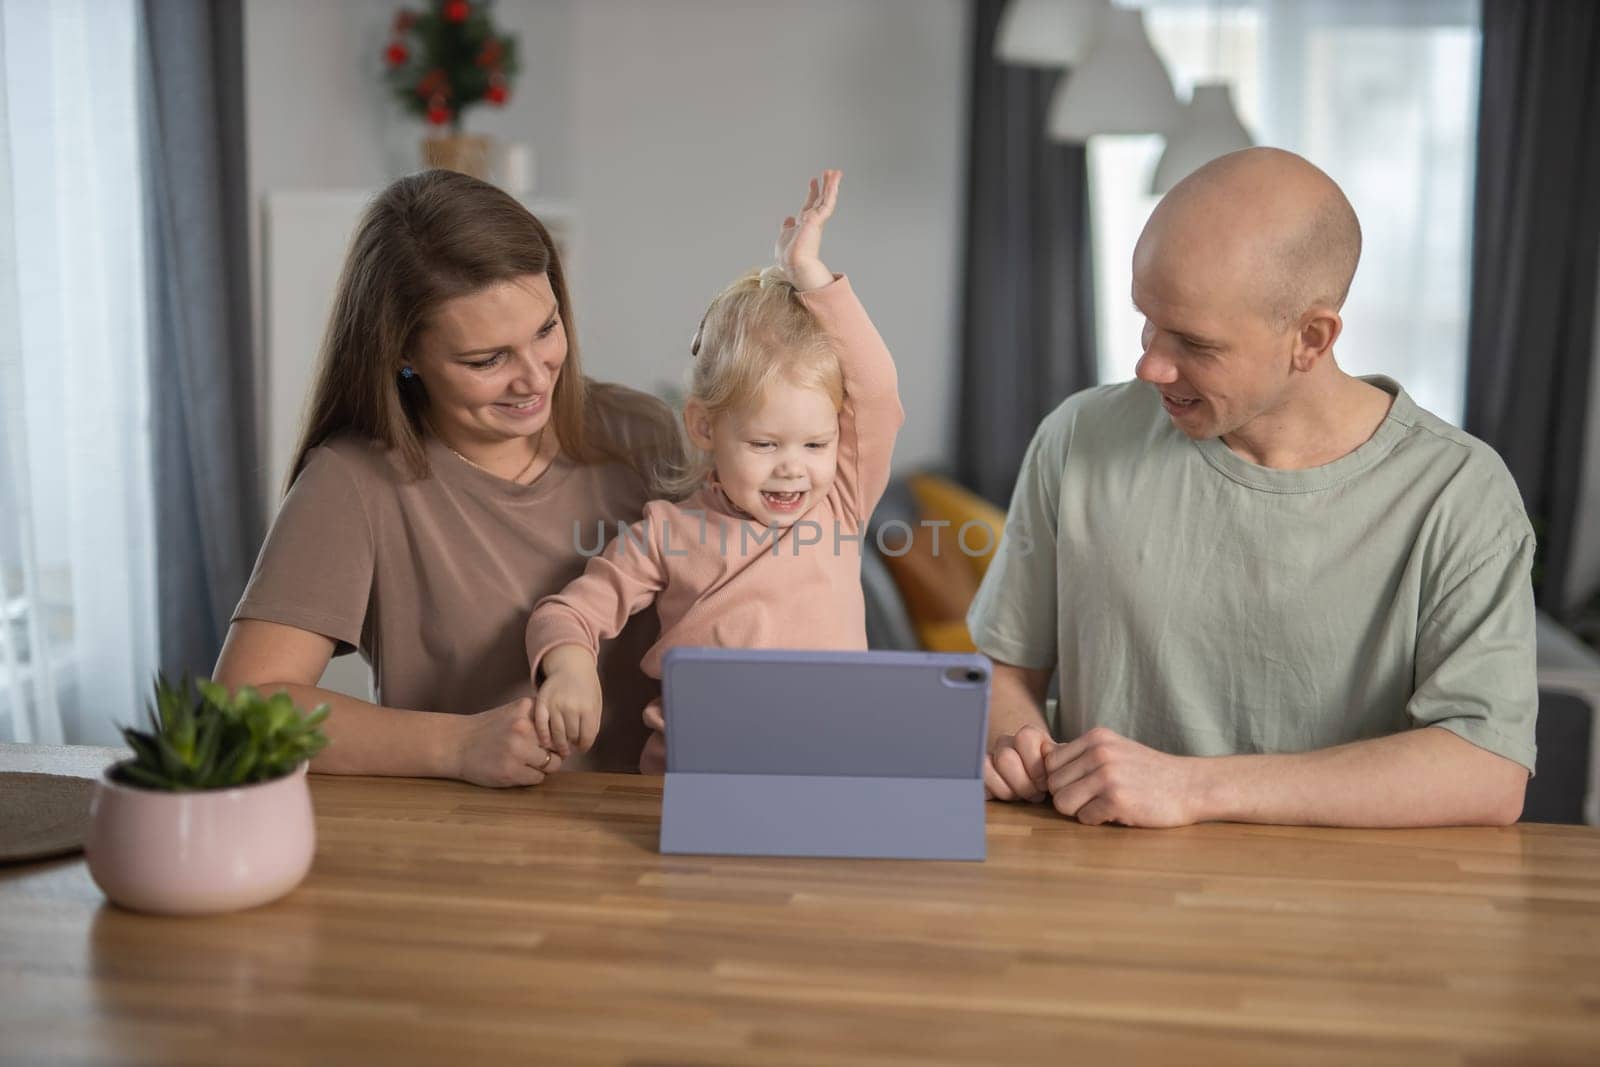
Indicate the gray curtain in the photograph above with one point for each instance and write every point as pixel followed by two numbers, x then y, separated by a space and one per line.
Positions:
pixel 208 492
pixel 1028 329
pixel 1536 244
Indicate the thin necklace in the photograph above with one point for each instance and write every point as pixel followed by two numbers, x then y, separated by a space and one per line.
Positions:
pixel 538 440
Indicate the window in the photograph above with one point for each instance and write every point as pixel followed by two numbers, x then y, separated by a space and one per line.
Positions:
pixel 77 617
pixel 1383 97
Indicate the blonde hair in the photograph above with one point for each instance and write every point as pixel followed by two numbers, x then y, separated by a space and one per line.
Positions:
pixel 756 331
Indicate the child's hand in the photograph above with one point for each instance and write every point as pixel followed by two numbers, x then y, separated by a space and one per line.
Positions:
pixel 800 240
pixel 653 760
pixel 567 709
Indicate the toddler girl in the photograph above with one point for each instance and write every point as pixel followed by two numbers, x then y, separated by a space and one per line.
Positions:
pixel 793 412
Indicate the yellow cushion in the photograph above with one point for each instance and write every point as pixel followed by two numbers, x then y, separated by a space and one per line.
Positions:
pixel 935 589
pixel 939 589
pixel 945 637
pixel 941 499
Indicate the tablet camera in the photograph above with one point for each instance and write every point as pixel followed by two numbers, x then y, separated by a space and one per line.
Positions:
pixel 965 676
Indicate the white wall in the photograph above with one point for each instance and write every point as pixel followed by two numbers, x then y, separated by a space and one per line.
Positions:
pixel 319 117
pixel 681 132
pixel 697 124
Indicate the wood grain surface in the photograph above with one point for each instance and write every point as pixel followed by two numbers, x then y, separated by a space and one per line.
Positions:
pixel 447 923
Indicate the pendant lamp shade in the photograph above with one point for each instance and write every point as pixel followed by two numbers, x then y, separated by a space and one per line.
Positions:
pixel 1120 87
pixel 1046 33
pixel 1210 128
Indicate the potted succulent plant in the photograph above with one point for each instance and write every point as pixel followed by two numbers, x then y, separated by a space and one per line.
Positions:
pixel 212 813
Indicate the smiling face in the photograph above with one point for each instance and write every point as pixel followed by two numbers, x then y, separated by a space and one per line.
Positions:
pixel 1240 274
pixel 490 361
pixel 1211 347
pixel 777 458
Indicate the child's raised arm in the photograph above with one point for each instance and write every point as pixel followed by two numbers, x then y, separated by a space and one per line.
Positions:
pixel 872 415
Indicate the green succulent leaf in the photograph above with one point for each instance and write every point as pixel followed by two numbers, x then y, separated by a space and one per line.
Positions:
pixel 201 736
pixel 143 745
pixel 215 693
pixel 143 776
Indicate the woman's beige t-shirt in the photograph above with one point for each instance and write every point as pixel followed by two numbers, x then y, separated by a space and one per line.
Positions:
pixel 433 580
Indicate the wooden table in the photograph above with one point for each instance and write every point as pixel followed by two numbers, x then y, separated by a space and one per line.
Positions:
pixel 443 922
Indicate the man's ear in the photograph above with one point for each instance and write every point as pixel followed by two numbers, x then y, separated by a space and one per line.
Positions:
pixel 697 422
pixel 1319 329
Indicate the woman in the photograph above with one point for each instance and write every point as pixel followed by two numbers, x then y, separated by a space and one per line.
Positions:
pixel 454 461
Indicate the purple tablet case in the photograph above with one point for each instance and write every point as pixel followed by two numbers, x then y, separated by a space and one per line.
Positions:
pixel 784 753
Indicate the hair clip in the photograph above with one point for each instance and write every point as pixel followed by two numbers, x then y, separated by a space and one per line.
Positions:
pixel 694 343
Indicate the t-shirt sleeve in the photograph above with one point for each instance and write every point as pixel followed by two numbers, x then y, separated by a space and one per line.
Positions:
pixel 315 569
pixel 1476 674
pixel 1013 617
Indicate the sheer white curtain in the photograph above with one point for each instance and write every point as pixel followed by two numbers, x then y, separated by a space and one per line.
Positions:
pixel 1382 96
pixel 77 630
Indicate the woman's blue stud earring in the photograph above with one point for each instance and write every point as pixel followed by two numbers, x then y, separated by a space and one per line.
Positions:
pixel 407 374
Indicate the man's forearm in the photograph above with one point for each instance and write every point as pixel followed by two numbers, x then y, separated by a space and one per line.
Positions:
pixel 1011 703
pixel 1423 777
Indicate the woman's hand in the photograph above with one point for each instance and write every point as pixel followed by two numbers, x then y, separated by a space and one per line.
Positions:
pixel 498 748
pixel 799 245
pixel 566 710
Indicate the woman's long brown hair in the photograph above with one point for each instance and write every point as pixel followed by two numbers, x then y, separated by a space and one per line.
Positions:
pixel 426 239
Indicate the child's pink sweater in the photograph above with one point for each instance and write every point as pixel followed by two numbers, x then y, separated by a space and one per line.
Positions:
pixel 718 578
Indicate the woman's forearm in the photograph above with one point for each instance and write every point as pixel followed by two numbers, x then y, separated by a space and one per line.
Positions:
pixel 364 738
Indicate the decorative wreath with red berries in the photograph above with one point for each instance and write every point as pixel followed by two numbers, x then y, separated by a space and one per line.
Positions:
pixel 443 59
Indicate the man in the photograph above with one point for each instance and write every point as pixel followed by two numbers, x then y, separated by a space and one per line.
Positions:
pixel 1275 592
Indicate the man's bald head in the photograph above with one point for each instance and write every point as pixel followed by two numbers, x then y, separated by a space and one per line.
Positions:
pixel 1283 228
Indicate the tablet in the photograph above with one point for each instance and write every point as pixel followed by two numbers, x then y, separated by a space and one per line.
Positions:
pixel 789 753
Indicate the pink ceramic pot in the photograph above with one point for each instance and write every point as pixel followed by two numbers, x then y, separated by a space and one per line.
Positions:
pixel 200 853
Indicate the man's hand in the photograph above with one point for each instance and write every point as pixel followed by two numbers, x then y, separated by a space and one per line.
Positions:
pixel 566 710
pixel 1104 777
pixel 497 747
pixel 1014 769
pixel 799 247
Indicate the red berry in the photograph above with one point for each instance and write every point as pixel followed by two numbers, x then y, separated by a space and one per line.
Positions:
pixel 434 83
pixel 438 114
pixel 456 11
pixel 395 54
pixel 497 95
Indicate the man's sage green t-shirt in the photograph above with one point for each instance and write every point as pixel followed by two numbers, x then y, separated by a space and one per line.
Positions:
pixel 1203 605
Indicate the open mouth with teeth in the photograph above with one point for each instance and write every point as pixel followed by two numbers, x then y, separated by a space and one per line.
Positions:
pixel 789 501
pixel 522 407
pixel 1178 405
